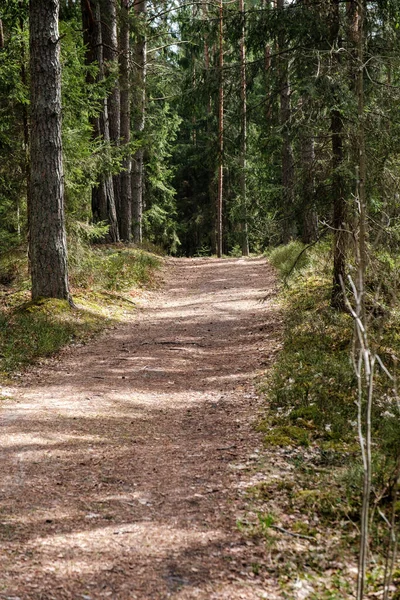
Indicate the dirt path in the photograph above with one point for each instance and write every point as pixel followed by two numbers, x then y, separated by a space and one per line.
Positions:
pixel 124 463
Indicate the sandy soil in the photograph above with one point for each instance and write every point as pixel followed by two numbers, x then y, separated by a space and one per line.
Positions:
pixel 124 463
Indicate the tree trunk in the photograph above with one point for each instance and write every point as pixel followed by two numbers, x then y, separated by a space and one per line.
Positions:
pixel 25 166
pixel 103 200
pixel 211 169
pixel 139 71
pixel 338 184
pixel 362 158
pixel 287 151
pixel 362 262
pixel 309 220
pixel 108 13
pixel 220 133
pixel 266 4
pixel 339 212
pixel 48 248
pixel 243 140
pixel 125 197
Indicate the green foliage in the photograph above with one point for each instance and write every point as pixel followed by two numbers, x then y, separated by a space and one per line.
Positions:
pixel 160 217
pixel 111 268
pixel 13 127
pixel 286 257
pixel 13 267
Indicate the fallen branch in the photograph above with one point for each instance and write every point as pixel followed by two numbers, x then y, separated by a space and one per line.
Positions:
pixel 298 535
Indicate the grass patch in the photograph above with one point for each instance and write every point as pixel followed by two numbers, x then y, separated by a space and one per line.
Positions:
pixel 311 387
pixel 288 257
pixel 103 281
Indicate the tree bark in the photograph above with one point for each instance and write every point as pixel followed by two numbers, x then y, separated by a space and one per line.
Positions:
pixel 243 140
pixel 109 35
pixel 362 158
pixel 362 263
pixel 211 169
pixel 338 184
pixel 220 134
pixel 48 248
pixel 139 71
pixel 108 13
pixel 103 200
pixel 309 220
pixel 287 151
pixel 25 166
pixel 125 196
pixel 266 5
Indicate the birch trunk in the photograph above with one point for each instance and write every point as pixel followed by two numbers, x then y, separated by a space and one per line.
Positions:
pixel 362 261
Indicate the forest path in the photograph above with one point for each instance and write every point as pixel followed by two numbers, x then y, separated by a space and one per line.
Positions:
pixel 124 463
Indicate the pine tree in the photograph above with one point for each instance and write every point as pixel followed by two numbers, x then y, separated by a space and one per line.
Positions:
pixel 103 199
pixel 48 251
pixel 125 214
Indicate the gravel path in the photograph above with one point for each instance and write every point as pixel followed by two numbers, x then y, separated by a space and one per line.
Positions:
pixel 124 463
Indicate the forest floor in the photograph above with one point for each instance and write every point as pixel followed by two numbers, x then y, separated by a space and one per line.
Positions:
pixel 126 463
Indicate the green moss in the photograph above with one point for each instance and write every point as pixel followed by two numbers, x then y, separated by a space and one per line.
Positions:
pixel 329 504
pixel 303 528
pixel 287 435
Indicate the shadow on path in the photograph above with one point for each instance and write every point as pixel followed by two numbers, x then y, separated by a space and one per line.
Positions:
pixel 123 466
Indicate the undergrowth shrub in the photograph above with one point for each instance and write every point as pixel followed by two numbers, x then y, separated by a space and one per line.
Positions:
pixel 108 267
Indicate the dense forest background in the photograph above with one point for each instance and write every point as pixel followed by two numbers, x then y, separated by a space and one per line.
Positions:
pixel 238 124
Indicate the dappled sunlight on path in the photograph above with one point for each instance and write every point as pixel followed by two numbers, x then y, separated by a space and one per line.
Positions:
pixel 123 463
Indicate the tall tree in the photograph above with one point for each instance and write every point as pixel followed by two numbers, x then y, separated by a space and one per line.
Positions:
pixel 220 134
pixel 243 136
pixel 109 38
pixel 139 81
pixel 103 199
pixel 48 250
pixel 125 212
pixel 285 119
pixel 338 183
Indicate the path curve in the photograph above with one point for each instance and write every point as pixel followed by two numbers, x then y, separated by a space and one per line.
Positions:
pixel 124 462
